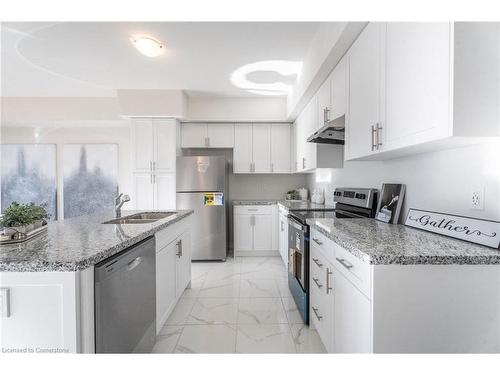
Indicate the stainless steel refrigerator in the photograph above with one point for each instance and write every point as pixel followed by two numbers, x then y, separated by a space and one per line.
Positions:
pixel 201 186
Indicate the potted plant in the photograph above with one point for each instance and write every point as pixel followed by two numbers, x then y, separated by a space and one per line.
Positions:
pixel 22 218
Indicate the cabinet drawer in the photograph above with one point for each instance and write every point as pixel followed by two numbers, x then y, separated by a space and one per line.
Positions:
pixel 354 269
pixel 253 210
pixel 169 234
pixel 323 245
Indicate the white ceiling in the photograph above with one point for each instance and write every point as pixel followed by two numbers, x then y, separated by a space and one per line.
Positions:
pixel 94 59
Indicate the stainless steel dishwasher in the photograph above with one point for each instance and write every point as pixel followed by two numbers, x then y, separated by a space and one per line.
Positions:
pixel 125 300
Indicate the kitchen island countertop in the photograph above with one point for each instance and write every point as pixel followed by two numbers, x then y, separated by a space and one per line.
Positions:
pixel 78 243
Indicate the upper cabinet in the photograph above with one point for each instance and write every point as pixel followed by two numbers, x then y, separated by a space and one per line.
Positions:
pixel 154 142
pixel 207 135
pixel 338 86
pixel 416 87
pixel 262 148
pixel 365 77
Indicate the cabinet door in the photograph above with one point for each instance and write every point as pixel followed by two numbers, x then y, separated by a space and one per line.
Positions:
pixel 164 191
pixel 261 148
pixel 323 103
pixel 339 92
pixel 352 317
pixel 183 267
pixel 164 145
pixel 242 154
pixel 193 135
pixel 262 232
pixel 280 148
pixel 243 232
pixel 364 91
pixel 143 191
pixel 417 82
pixel 220 135
pixel 142 135
pixel 165 283
pixel 283 238
pixel 309 148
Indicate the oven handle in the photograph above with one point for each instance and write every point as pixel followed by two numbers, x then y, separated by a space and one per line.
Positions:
pixel 294 223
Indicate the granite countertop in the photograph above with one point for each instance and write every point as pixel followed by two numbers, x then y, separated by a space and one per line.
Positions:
pixel 379 243
pixel 78 243
pixel 290 205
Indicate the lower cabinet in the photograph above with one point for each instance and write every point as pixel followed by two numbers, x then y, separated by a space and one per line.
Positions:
pixel 254 230
pixel 173 269
pixel 283 236
pixel 339 311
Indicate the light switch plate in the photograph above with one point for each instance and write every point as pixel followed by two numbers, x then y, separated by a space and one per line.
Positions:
pixel 4 303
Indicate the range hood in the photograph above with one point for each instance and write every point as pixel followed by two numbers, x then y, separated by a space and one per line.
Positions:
pixel 332 132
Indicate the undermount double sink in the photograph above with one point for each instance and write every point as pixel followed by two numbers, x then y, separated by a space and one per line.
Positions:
pixel 140 218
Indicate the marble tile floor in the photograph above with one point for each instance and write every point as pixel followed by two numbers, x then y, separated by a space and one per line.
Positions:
pixel 239 306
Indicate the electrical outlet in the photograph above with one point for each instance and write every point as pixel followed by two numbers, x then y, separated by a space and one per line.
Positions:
pixel 477 199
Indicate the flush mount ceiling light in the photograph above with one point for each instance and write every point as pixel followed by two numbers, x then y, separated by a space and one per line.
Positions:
pixel 283 67
pixel 148 46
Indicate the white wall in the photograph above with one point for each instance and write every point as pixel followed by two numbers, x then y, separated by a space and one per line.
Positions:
pixel 438 181
pixel 82 134
pixel 205 108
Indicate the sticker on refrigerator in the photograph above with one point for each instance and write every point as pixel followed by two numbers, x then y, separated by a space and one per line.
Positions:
pixel 213 199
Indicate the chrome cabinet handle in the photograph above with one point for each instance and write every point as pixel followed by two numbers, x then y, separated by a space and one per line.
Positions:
pixel 179 248
pixel 316 281
pixel 326 115
pixel 373 136
pixel 253 209
pixel 315 309
pixel 303 163
pixel 378 129
pixel 151 166
pixel 328 287
pixel 151 177
pixel 345 263
pixel 281 225
pixel 154 179
pixel 252 220
pixel 154 166
pixel 318 263
pixel 208 141
pixel 317 241
pixel 272 167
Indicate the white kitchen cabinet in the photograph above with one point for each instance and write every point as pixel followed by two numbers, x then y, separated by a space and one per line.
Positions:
pixel 144 193
pixel 365 93
pixel 338 85
pixel 154 191
pixel 280 148
pixel 352 317
pixel 418 78
pixel 173 268
pixel 193 135
pixel 283 236
pixel 154 158
pixel 255 232
pixel 262 148
pixel 243 148
pixel 421 86
pixel 207 135
pixel 324 103
pixel 166 292
pixel 183 263
pixel 154 143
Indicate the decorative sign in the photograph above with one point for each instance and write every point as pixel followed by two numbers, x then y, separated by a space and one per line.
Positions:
pixel 483 232
pixel 213 199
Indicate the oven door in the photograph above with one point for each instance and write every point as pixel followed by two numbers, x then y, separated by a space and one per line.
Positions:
pixel 298 254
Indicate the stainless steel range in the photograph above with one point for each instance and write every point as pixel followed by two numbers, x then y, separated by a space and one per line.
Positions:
pixel 351 203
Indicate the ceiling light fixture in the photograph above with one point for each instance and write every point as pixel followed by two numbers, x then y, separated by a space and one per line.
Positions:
pixel 282 67
pixel 148 46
